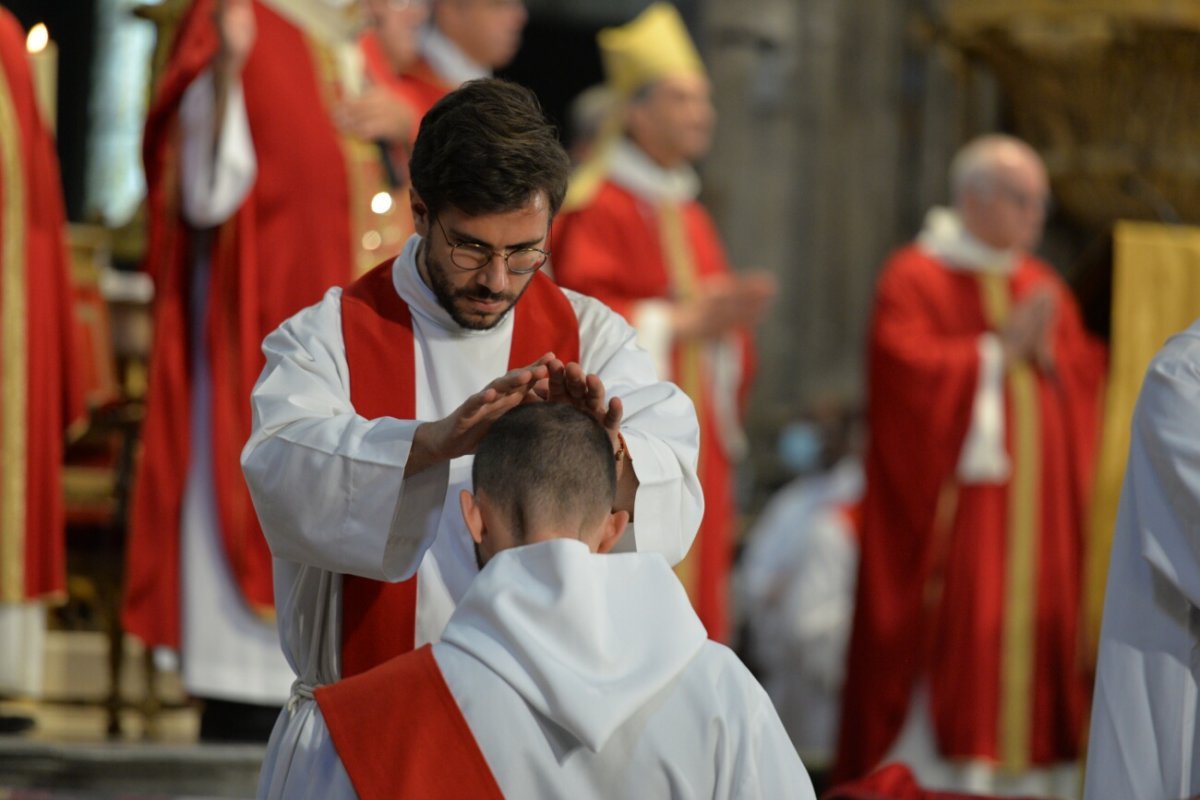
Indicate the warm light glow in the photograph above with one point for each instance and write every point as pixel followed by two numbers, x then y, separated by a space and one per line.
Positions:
pixel 381 203
pixel 38 38
pixel 371 240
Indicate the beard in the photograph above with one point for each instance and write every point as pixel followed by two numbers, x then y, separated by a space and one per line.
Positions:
pixel 454 301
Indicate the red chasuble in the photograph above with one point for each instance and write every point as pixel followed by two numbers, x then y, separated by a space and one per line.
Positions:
pixel 422 83
pixel 418 87
pixel 975 588
pixel 39 391
pixel 613 250
pixel 400 733
pixel 378 618
pixel 302 229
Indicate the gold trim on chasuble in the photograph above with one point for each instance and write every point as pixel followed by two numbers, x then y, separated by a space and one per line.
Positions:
pixel 13 354
pixel 1020 575
pixel 373 235
pixel 681 265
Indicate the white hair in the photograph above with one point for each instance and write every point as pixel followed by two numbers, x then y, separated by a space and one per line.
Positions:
pixel 974 167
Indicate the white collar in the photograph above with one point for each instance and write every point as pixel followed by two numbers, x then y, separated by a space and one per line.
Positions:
pixel 630 168
pixel 448 60
pixel 421 300
pixel 945 238
pixel 329 21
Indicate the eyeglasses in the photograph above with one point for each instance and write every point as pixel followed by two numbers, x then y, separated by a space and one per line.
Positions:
pixel 471 256
pixel 1024 200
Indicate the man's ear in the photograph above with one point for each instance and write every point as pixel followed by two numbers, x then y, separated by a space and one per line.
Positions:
pixel 614 528
pixel 472 515
pixel 420 213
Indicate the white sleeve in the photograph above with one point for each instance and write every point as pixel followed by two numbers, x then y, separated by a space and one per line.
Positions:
pixel 214 184
pixel 1164 466
pixel 768 764
pixel 308 768
pixel 660 430
pixel 328 485
pixel 983 458
pixel 652 319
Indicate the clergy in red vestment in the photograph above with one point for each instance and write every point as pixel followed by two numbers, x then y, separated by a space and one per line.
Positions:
pixel 265 157
pixel 634 236
pixel 982 412
pixel 465 40
pixel 39 394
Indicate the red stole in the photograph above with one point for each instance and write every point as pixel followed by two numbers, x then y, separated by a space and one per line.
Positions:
pixel 379 618
pixel 400 733
pixel 40 381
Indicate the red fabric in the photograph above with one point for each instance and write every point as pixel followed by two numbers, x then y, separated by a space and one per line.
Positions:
pixel 400 733
pixel 53 393
pixel 289 241
pixel 424 85
pixel 413 89
pixel 611 249
pixel 378 619
pixel 892 782
pixel 923 366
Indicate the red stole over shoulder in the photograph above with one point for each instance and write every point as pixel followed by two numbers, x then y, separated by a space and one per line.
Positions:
pixel 379 618
pixel 400 733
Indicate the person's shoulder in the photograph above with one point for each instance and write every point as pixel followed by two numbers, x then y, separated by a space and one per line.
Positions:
pixel 1180 356
pixel 593 312
pixel 609 199
pixel 909 257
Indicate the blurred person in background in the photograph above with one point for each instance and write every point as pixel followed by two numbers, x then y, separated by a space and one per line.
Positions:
pixel 795 580
pixel 983 406
pixel 634 236
pixel 465 40
pixel 268 159
pixel 41 392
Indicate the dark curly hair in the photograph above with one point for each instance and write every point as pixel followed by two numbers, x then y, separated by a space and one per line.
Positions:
pixel 486 148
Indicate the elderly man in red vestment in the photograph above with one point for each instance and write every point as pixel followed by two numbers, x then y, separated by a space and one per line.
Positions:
pixel 982 411
pixel 634 236
pixel 465 40
pixel 38 391
pixel 265 156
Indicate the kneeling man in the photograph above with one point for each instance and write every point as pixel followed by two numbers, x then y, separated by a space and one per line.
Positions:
pixel 562 672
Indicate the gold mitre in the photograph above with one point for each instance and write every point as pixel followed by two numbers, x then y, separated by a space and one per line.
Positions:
pixel 653 46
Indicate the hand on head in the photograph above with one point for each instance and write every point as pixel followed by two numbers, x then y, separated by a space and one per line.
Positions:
pixel 543 471
pixel 568 383
pixel 459 433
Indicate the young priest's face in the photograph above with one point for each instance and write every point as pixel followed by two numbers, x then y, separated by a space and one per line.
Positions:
pixel 478 299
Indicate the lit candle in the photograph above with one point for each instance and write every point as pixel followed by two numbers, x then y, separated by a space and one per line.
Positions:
pixel 43 63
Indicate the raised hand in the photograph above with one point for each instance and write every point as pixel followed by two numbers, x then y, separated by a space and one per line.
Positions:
pixel 375 114
pixel 236 31
pixel 724 303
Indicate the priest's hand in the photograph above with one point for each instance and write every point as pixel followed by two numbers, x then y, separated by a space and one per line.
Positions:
pixel 460 433
pixel 376 114
pixel 236 31
pixel 724 303
pixel 1027 334
pixel 568 383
